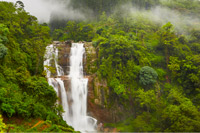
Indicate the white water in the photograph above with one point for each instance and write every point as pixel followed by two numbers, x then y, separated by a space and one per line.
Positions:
pixel 56 83
pixel 74 101
pixel 78 117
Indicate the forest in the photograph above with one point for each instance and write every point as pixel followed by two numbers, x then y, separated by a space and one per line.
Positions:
pixel 150 61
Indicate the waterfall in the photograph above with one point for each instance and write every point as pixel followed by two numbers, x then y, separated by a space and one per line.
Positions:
pixel 79 118
pixel 74 100
pixel 56 83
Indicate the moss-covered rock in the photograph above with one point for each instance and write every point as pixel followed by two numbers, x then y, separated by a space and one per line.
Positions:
pixel 64 56
pixel 101 92
pixel 90 66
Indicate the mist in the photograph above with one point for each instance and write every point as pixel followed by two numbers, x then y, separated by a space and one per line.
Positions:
pixel 161 15
pixel 45 9
pixel 180 21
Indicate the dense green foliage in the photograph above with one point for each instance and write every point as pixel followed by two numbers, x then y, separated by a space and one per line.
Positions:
pixel 23 89
pixel 74 31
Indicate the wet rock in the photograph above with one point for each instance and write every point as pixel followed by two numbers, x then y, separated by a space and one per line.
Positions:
pixel 68 43
pixel 56 42
pixel 64 57
pixel 91 59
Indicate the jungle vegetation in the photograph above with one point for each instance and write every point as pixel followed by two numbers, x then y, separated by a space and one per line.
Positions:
pixel 152 68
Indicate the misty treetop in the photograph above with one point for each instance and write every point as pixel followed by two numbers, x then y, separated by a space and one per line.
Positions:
pixel 183 14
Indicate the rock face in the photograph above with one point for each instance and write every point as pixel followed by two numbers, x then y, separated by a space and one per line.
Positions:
pixel 90 60
pixel 97 100
pixel 64 56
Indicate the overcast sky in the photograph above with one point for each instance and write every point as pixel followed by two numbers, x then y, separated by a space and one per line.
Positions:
pixel 39 8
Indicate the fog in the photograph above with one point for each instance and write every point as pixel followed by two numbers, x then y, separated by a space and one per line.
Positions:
pixel 180 21
pixel 43 9
pixel 162 15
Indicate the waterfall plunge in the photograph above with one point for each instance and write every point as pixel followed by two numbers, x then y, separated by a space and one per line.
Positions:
pixel 74 101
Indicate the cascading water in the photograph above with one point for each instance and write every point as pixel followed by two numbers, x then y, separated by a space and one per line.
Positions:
pixel 79 118
pixel 56 83
pixel 74 101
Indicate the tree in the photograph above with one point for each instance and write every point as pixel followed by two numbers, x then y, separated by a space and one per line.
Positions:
pixel 19 4
pixel 168 40
pixel 148 76
pixel 4 31
pixel 180 115
pixel 119 89
pixel 146 99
